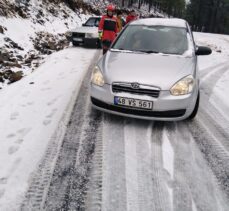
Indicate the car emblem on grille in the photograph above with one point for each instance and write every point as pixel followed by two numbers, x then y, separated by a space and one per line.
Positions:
pixel 135 86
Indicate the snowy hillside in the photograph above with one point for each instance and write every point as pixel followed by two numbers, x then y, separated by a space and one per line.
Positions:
pixel 24 41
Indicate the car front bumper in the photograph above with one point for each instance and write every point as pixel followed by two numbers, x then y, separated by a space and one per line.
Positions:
pixel 165 108
pixel 87 42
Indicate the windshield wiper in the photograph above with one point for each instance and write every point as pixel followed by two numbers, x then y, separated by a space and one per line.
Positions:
pixel 148 51
pixel 134 51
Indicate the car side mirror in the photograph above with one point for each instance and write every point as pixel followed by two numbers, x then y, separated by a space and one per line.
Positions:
pixel 202 50
pixel 83 24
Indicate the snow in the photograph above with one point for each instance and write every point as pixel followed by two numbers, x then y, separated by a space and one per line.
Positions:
pixel 213 63
pixel 30 112
pixel 217 43
pixel 168 155
pixel 168 162
pixel 220 91
pixel 194 208
pixel 161 21
pixel 21 30
pixel 131 167
pixel 32 108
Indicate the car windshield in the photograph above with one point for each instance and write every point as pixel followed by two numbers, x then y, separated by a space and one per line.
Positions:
pixel 153 39
pixel 92 22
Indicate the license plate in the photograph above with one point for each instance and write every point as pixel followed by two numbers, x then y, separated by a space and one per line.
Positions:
pixel 78 39
pixel 135 103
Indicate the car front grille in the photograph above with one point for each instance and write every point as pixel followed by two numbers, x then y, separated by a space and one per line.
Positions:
pixel 135 88
pixel 78 35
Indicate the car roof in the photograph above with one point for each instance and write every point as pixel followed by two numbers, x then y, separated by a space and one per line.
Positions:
pixel 175 22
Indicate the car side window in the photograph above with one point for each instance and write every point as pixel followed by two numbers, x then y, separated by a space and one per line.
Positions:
pixel 90 22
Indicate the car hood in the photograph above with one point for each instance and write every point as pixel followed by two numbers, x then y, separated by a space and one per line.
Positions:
pixel 86 29
pixel 158 70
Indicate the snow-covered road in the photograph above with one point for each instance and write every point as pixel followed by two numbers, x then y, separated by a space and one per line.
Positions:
pixel 107 162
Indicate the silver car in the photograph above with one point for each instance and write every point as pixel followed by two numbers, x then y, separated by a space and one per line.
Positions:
pixel 150 72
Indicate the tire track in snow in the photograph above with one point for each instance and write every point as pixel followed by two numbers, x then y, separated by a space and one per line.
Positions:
pixel 178 183
pixel 161 192
pixel 215 124
pixel 131 134
pixel 210 130
pixel 40 181
pixel 133 153
pixel 214 153
pixel 69 183
pixel 80 175
pixel 194 183
pixel 209 82
pixel 114 177
pixel 213 118
pixel 144 178
pixel 93 200
pixel 203 74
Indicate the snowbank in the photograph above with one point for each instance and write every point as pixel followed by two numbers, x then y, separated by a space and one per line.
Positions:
pixel 215 69
pixel 30 112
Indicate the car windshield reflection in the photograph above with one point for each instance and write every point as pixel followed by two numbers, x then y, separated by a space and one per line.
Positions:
pixel 153 39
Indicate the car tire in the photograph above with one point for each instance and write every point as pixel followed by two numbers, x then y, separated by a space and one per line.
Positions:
pixel 195 110
pixel 74 43
pixel 98 44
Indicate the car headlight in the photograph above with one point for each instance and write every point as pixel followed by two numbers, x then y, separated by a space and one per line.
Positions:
pixel 183 87
pixel 91 35
pixel 97 77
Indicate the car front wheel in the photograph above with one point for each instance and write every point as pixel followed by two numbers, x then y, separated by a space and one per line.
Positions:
pixel 193 114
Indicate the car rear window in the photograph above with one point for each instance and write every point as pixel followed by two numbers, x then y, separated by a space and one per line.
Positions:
pixel 161 39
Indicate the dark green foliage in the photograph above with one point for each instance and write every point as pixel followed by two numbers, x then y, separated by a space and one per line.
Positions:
pixel 209 15
pixel 171 7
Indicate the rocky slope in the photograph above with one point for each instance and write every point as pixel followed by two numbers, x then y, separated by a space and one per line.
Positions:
pixel 32 29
